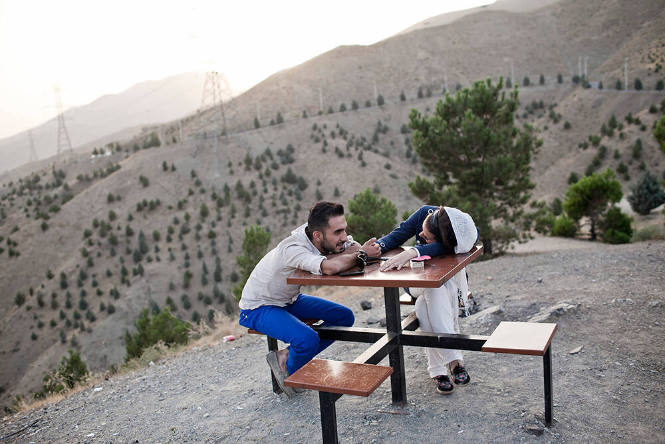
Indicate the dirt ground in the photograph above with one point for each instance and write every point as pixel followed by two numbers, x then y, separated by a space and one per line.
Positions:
pixel 610 390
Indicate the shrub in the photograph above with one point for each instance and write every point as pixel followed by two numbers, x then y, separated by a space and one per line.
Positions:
pixel 573 178
pixel 564 226
pixel 616 227
pixel 651 232
pixel 72 371
pixel 162 327
pixel 144 181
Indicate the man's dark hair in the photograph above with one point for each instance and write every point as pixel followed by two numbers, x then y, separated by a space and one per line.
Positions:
pixel 320 214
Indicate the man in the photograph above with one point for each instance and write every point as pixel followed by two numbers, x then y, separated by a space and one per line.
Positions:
pixel 273 307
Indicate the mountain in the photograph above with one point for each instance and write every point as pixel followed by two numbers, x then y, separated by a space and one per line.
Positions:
pixel 88 240
pixel 148 102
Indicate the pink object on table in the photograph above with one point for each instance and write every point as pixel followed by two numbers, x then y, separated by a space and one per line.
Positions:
pixel 421 258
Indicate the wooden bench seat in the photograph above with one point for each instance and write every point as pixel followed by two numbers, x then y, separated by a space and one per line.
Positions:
pixel 520 338
pixel 345 378
pixel 333 379
pixel 527 338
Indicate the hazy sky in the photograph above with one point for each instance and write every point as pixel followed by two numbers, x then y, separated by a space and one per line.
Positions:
pixel 95 47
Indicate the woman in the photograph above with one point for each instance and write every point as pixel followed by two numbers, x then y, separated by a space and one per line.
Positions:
pixel 438 231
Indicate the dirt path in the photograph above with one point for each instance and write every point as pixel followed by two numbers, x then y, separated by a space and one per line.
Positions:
pixel 611 390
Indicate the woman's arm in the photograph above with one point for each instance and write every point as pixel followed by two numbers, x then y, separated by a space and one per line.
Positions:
pixel 406 230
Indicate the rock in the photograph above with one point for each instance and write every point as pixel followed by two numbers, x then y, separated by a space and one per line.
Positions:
pixel 534 429
pixel 540 280
pixel 382 322
pixel 554 310
pixel 365 305
pixel 655 303
pixel 372 320
pixel 576 350
pixel 483 314
pixel 622 301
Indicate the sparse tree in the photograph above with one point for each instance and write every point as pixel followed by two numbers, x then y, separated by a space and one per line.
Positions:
pixel 659 133
pixel 590 197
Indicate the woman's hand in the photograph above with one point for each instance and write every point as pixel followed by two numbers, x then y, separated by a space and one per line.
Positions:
pixel 400 260
pixel 371 248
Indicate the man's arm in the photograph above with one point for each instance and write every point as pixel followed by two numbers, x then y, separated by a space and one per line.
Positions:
pixel 336 263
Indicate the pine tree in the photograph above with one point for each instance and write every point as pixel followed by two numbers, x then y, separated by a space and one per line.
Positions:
pixel 479 160
pixel 646 195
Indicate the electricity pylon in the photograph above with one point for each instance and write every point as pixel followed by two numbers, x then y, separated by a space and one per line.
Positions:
pixel 212 99
pixel 63 136
pixel 33 153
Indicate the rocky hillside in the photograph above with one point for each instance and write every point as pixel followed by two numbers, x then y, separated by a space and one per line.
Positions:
pixel 608 378
pixel 157 217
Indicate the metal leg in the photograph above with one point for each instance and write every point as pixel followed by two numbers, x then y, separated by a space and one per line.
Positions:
pixel 272 346
pixel 547 369
pixel 328 417
pixel 396 357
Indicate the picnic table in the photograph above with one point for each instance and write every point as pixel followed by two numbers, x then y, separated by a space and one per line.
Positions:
pixel 362 376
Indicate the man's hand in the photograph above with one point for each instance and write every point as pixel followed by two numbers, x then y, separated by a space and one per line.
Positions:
pixel 353 248
pixel 371 248
pixel 400 260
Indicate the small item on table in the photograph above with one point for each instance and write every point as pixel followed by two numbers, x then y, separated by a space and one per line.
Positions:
pixel 352 273
pixel 418 262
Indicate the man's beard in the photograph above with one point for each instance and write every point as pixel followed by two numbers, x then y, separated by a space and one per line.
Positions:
pixel 330 247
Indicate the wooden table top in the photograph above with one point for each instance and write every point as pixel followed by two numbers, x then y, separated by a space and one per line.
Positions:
pixel 521 338
pixel 435 272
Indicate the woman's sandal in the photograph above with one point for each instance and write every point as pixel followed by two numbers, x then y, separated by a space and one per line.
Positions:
pixel 443 384
pixel 460 375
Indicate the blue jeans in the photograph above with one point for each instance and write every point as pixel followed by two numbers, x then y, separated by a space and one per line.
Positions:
pixel 284 323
